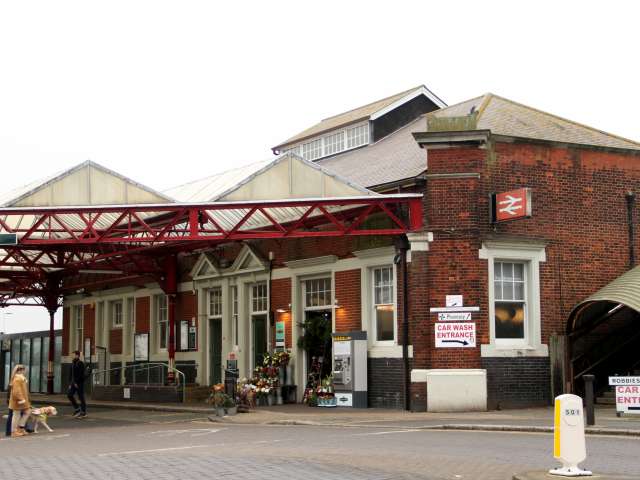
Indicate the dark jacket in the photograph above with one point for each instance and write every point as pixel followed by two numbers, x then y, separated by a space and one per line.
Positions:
pixel 77 372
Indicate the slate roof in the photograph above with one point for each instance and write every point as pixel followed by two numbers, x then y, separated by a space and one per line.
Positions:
pixel 217 186
pixel 506 117
pixel 394 157
pixel 357 114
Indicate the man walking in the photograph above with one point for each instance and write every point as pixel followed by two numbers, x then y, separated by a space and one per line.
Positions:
pixel 77 386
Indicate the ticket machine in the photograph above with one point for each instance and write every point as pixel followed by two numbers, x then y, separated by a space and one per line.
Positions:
pixel 350 369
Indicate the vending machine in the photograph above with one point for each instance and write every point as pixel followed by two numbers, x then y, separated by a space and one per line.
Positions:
pixel 350 369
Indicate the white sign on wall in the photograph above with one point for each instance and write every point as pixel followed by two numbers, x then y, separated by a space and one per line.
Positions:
pixel 454 301
pixel 627 392
pixel 455 335
pixel 454 317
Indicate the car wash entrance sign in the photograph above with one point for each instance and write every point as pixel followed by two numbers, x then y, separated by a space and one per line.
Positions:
pixel 627 392
pixel 455 335
pixel 511 205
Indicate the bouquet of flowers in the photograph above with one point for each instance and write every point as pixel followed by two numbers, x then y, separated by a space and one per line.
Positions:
pixel 281 359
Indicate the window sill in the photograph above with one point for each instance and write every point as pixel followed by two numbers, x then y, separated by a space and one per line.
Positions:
pixel 492 350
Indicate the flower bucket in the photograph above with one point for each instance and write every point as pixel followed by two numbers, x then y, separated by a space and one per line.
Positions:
pixel 231 410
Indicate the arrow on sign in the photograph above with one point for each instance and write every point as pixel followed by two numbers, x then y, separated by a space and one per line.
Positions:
pixel 511 205
pixel 463 342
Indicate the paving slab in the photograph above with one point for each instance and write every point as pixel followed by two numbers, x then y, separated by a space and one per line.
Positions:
pixel 530 419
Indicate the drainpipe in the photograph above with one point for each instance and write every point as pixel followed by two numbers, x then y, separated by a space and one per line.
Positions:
pixel 631 200
pixel 402 245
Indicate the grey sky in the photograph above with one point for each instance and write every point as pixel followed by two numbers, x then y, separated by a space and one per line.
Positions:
pixel 166 92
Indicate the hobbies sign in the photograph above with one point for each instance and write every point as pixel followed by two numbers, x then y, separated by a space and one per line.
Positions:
pixel 455 335
pixel 627 390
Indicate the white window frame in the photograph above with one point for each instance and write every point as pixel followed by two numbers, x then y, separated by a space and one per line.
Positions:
pixel 326 142
pixel 218 294
pixel 372 304
pixel 162 298
pixel 328 306
pixel 114 314
pixel 131 318
pixel 531 254
pixel 526 334
pixel 234 313
pixel 265 299
pixel 78 321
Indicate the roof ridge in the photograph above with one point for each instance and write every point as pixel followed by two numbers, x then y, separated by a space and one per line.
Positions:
pixel 375 101
pixel 440 110
pixel 217 174
pixel 573 122
pixel 483 106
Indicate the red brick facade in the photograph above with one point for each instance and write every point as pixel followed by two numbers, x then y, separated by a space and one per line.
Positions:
pixel 347 292
pixel 143 314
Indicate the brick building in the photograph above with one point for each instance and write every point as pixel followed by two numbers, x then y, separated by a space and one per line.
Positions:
pixel 524 276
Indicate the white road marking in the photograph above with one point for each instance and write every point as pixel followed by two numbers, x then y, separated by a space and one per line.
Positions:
pixel 383 433
pixel 134 452
pixel 195 432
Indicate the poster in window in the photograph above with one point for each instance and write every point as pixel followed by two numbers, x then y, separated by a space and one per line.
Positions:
pixel 184 335
pixel 87 350
pixel 192 338
pixel 141 349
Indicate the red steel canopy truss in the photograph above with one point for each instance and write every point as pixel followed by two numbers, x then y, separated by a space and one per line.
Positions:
pixel 124 239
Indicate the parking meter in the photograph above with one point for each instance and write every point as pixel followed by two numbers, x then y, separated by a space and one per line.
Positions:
pixel 569 445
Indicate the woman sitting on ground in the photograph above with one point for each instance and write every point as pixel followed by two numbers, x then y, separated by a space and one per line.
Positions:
pixel 19 401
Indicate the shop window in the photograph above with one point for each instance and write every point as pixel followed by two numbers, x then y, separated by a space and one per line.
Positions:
pixel 187 336
pixel 116 314
pixel 162 319
pixel 384 304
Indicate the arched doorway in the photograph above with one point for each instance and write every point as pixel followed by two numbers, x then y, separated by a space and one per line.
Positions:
pixel 604 333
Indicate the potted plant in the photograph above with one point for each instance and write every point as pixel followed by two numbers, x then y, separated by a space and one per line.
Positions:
pixel 217 398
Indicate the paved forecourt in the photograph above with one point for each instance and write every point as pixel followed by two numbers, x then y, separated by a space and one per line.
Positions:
pixel 124 444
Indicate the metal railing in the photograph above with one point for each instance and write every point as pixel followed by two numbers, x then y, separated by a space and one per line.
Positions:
pixel 132 375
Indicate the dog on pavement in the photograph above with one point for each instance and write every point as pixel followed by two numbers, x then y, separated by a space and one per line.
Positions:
pixel 40 416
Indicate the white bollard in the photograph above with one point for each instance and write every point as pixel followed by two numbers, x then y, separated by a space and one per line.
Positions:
pixel 569 445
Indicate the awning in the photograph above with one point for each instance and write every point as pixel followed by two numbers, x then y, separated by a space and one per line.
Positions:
pixel 623 291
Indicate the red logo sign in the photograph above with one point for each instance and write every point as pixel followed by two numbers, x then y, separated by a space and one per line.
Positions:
pixel 512 205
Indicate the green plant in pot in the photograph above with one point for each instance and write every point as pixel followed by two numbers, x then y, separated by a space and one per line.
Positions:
pixel 230 406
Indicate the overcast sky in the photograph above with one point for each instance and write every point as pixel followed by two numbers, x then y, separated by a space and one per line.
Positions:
pixel 166 92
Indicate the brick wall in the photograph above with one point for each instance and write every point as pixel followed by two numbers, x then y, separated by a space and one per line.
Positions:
pixel 115 341
pixel 517 382
pixel 347 291
pixel 579 211
pixel 89 325
pixel 281 299
pixel 186 309
pixel 143 313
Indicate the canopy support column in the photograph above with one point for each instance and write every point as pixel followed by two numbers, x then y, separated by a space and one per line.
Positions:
pixel 51 296
pixel 171 290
